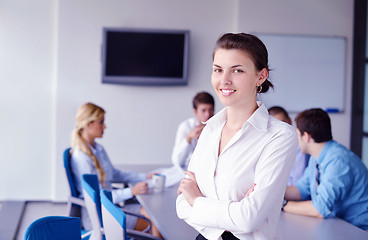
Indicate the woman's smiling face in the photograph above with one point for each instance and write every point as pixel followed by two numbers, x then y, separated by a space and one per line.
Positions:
pixel 235 77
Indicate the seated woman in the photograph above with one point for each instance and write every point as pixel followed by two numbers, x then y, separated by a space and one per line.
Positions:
pixel 89 157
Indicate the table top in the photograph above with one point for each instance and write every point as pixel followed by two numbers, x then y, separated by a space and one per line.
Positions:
pixel 162 209
pixel 292 226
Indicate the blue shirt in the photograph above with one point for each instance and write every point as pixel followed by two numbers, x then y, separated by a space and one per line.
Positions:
pixel 82 164
pixel 343 185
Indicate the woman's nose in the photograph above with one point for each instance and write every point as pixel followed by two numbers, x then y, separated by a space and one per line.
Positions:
pixel 226 78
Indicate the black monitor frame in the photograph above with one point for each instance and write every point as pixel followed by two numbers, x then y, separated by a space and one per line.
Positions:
pixel 146 80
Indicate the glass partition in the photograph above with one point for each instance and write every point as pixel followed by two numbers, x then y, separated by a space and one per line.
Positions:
pixel 365 109
pixel 366 35
pixel 365 151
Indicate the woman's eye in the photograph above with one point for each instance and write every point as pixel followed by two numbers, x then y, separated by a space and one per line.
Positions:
pixel 237 71
pixel 217 70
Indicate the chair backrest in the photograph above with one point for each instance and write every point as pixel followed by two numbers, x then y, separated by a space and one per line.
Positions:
pixel 113 217
pixel 68 169
pixel 54 227
pixel 114 220
pixel 91 193
pixel 74 210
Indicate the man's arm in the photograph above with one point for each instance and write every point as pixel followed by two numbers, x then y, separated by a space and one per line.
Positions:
pixel 305 208
pixel 292 193
pixel 294 205
pixel 181 148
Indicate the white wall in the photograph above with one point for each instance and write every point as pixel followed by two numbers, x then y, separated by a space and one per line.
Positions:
pixel 26 95
pixel 313 17
pixel 50 65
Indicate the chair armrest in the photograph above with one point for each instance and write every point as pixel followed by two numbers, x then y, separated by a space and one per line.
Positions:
pixel 73 206
pixel 140 235
pixel 134 214
pixel 77 201
pixel 149 228
pixel 86 235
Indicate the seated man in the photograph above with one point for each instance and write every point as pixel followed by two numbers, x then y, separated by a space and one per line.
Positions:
pixel 335 181
pixel 189 130
pixel 301 160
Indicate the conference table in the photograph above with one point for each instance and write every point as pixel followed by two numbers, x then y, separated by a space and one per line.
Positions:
pixel 162 210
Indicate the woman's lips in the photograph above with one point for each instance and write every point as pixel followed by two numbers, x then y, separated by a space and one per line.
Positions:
pixel 227 92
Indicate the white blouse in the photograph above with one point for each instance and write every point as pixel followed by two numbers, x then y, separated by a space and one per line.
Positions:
pixel 262 152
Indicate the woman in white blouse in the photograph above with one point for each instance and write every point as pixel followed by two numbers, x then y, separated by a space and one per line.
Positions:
pixel 237 175
pixel 90 157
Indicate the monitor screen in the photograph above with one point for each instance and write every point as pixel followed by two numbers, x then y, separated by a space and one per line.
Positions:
pixel 145 57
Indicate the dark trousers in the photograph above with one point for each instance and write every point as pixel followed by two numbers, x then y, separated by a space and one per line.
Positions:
pixel 225 236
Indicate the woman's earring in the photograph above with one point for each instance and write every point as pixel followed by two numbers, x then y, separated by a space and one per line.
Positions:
pixel 259 89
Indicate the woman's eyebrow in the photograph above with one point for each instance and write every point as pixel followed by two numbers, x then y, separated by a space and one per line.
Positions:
pixel 235 66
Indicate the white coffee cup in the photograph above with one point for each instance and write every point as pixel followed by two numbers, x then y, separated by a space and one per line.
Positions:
pixel 158 182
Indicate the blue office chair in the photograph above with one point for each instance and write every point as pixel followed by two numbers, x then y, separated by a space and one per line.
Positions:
pixel 74 202
pixel 91 193
pixel 55 228
pixel 115 221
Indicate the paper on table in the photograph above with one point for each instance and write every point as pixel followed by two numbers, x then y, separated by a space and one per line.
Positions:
pixel 117 185
pixel 173 175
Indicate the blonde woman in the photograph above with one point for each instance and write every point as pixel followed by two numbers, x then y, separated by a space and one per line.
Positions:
pixel 89 157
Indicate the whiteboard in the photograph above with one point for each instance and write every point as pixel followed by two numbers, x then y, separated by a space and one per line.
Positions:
pixel 306 71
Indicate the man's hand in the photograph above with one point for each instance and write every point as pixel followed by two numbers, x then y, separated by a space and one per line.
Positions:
pixel 194 133
pixel 140 188
pixel 189 188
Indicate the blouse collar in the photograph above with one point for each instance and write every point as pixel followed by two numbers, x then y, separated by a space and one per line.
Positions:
pixel 259 119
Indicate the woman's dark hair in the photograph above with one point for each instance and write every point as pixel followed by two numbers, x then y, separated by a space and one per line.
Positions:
pixel 316 122
pixel 279 110
pixel 249 44
pixel 203 97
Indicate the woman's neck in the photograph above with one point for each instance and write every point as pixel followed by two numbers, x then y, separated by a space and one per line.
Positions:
pixel 237 116
pixel 90 140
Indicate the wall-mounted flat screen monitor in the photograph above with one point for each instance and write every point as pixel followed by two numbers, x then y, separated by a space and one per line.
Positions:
pixel 145 57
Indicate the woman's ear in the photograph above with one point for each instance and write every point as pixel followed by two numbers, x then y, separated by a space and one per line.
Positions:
pixel 262 76
pixel 88 125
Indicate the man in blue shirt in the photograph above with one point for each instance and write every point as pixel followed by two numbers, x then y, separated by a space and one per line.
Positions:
pixel 335 183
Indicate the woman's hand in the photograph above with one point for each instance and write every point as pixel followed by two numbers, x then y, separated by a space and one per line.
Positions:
pixel 150 175
pixel 250 190
pixel 189 188
pixel 140 188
